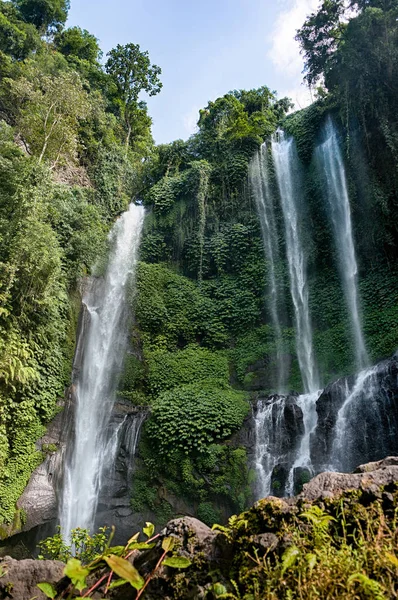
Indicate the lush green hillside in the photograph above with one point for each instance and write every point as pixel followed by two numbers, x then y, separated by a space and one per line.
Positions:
pixel 76 146
pixel 72 138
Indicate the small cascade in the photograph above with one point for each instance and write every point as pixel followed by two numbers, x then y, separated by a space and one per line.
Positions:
pixel 302 467
pixel 331 166
pixel 288 177
pixel 259 182
pixel 279 428
pixel 366 425
pixel 95 441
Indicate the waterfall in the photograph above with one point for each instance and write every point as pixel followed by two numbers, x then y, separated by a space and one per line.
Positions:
pixel 104 348
pixel 307 403
pixel 279 429
pixel 366 425
pixel 259 182
pixel 288 177
pixel 331 163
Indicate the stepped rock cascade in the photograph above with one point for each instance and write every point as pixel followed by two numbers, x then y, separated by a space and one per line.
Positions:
pixel 357 419
pixel 331 166
pixel 288 177
pixel 259 181
pixel 105 344
pixel 303 463
pixel 279 427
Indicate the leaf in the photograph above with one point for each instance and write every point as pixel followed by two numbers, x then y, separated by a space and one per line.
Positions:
pixel 117 583
pixel 219 589
pixel 76 573
pixel 118 550
pixel 140 546
pixel 392 558
pixel 168 544
pixel 149 529
pixel 289 557
pixel 134 538
pixel 125 570
pixel 177 562
pixel 311 560
pixel 47 589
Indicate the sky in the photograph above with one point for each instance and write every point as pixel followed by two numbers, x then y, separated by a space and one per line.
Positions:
pixel 205 49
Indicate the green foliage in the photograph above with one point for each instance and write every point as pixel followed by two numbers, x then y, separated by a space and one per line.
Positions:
pixel 78 43
pixel 82 545
pixel 339 548
pixel 95 555
pixel 194 364
pixel 191 417
pixel 65 175
pixel 43 14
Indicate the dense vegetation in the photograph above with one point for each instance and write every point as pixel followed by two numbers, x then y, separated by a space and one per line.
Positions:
pixel 72 137
pixel 76 146
pixel 201 283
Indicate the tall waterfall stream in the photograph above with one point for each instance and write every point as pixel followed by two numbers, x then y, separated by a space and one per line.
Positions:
pixel 105 344
pixel 284 424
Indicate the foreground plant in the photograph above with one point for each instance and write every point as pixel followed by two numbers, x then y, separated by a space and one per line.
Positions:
pixel 108 569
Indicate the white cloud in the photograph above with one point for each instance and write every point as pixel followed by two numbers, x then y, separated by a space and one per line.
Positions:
pixel 285 51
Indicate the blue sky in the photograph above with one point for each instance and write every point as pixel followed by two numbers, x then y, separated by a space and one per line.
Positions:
pixel 204 49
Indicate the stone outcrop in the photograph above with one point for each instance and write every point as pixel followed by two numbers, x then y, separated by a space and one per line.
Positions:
pixel 370 478
pixel 19 578
pixel 265 528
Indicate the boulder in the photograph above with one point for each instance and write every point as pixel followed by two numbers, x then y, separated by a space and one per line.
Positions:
pixel 21 577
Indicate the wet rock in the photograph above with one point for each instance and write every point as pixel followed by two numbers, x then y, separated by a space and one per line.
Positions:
pixel 301 476
pixel 371 428
pixel 22 576
pixel 370 479
pixel 279 479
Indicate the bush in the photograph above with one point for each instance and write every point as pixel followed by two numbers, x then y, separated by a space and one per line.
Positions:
pixel 191 417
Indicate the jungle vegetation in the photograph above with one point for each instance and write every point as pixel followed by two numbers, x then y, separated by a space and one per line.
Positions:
pixel 76 147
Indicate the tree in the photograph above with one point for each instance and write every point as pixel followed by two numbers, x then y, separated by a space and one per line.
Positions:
pixel 44 14
pixel 132 73
pixel 78 43
pixel 48 112
pixel 319 38
pixel 17 38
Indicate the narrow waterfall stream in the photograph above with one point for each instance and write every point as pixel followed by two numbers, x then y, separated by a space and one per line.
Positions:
pixel 331 166
pixel 287 173
pixel 284 424
pixel 259 181
pixel 105 345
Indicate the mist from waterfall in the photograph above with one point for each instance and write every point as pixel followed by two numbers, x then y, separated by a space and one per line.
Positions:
pixel 259 182
pixel 104 348
pixel 287 169
pixel 330 163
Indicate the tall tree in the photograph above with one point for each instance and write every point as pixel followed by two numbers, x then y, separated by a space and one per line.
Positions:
pixel 44 14
pixel 132 73
pixel 79 43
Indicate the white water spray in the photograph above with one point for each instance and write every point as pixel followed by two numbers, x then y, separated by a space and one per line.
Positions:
pixel 331 162
pixel 287 172
pixel 259 181
pixel 104 348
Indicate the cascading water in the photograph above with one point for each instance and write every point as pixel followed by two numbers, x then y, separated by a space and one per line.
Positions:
pixel 259 181
pixel 366 425
pixel 104 348
pixel 279 427
pixel 287 173
pixel 277 449
pixel 307 403
pixel 332 167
